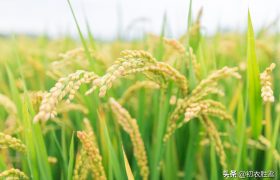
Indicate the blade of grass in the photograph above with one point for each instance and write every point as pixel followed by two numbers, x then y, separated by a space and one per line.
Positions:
pixel 159 51
pixel 89 57
pixel 253 80
pixel 191 150
pixel 158 140
pixel 36 133
pixel 170 158
pixel 128 168
pixel 90 36
pixel 62 157
pixel 241 136
pixel 118 168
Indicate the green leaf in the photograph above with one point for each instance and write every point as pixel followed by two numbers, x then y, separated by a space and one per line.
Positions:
pixel 213 162
pixel 89 57
pixel 253 80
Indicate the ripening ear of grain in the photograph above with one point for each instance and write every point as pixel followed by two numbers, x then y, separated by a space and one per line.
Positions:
pixel 266 83
pixel 92 151
pixel 176 45
pixel 264 144
pixel 215 137
pixel 81 166
pixel 138 85
pixel 130 126
pixel 267 97
pixel 13 174
pixel 65 87
pixel 93 157
pixel 197 103
pixel 132 62
pixel 7 141
pixel 253 83
pixel 8 105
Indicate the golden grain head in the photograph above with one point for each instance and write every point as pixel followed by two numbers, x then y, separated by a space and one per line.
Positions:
pixel 93 154
pixel 64 88
pixel 215 137
pixel 130 92
pixel 266 82
pixel 131 127
pixel 8 104
pixel 197 103
pixel 176 45
pixel 132 62
pixel 7 141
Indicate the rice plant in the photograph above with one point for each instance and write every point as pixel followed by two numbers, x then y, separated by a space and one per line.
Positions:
pixel 196 107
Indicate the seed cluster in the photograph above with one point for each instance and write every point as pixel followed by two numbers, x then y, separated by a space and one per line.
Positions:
pixel 165 71
pixel 138 85
pixel 65 87
pixel 137 61
pixel 266 78
pixel 81 166
pixel 215 137
pixel 7 141
pixel 176 45
pixel 130 126
pixel 11 109
pixel 73 58
pixel 8 105
pixel 90 153
pixel 52 160
pixel 197 103
pixel 195 64
pixel 129 60
pixel 13 174
pixel 263 143
pixel 36 98
pixel 93 154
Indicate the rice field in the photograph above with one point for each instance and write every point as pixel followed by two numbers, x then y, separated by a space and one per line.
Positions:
pixel 196 107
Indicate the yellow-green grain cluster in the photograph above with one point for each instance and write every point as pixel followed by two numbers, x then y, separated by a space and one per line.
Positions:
pixel 130 126
pixel 13 174
pixel 7 141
